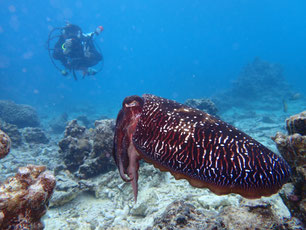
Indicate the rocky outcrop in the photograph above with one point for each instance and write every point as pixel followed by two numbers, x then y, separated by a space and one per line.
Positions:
pixel 20 115
pixel 35 136
pixel 293 148
pixel 13 132
pixel 183 215
pixel 5 144
pixel 297 124
pixel 260 84
pixel 67 188
pixel 87 153
pixel 24 198
pixel 30 135
pixel 293 145
pixel 203 104
pixel 248 215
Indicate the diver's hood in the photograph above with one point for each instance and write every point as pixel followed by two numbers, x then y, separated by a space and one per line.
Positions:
pixel 71 30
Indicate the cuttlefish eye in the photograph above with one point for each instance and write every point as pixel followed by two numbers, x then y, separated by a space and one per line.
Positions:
pixel 132 104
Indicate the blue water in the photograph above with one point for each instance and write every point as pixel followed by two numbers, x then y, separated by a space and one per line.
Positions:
pixel 177 49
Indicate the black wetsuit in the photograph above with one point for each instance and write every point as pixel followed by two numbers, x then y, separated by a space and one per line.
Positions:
pixel 75 59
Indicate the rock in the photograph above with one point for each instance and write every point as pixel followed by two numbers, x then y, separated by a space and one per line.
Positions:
pixel 293 149
pixel 13 132
pixel 5 144
pixel 74 151
pixel 249 215
pixel 203 104
pixel 260 84
pixel 257 217
pixel 297 124
pixel 25 197
pixel 74 130
pixel 274 203
pixel 87 153
pixel 67 188
pixel 216 202
pixel 35 135
pixel 143 207
pixel 182 215
pixel 257 77
pixel 20 115
pixel 103 137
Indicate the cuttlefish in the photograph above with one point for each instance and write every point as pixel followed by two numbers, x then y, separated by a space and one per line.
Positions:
pixel 193 145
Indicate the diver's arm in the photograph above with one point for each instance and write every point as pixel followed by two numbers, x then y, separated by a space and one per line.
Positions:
pixel 91 35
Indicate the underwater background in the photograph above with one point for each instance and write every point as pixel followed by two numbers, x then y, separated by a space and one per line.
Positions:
pixel 242 61
pixel 175 49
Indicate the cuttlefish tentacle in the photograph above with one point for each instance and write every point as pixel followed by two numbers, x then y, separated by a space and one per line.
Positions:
pixel 118 148
pixel 122 173
pixel 133 168
pixel 124 151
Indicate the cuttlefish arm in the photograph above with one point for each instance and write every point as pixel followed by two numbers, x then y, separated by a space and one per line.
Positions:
pixel 133 168
pixel 124 151
pixel 119 150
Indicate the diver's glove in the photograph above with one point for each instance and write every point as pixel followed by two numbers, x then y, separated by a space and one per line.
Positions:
pixel 99 29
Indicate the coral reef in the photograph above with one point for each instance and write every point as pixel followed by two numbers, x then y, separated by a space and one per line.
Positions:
pixel 104 202
pixel 183 215
pixel 103 137
pixel 73 129
pixel 248 215
pixel 206 105
pixel 24 198
pixel 13 132
pixel 293 145
pixel 257 78
pixel 20 115
pixel 297 124
pixel 259 84
pixel 87 153
pixel 293 149
pixel 5 144
pixel 35 135
pixel 75 146
pixel 31 135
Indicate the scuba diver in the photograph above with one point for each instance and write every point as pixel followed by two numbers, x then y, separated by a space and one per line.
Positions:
pixel 75 50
